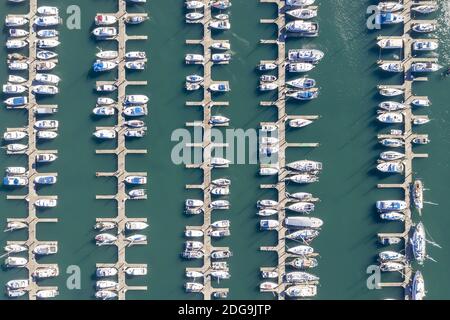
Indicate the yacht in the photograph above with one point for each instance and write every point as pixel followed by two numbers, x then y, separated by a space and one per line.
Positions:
pixel 45 272
pixel 268 224
pixel 304 235
pixel 104 111
pixel 220 25
pixel 193 245
pixel 17 284
pixel 193 287
pixel 136 271
pixel 392 216
pixel 299 3
pixel 390 92
pixel 45 249
pixel 16 147
pixel 302 178
pixel 15 181
pixel 391 106
pixel 304 94
pixel 103 101
pixel 105 294
pixel 135 225
pixel 391 155
pixel 15 21
pixel 418 243
pixel 390 205
pixel 47 33
pixel 301 250
pixel 47 11
pixel 417 194
pixel 135 111
pixel 303 222
pixel 101 65
pixel 16 44
pixel 15 248
pixel 424 27
pixel 220 191
pixel 391 167
pixel 392 143
pixel 421 102
pixel 268 286
pixel 221 46
pixel 305 55
pixel 16 101
pixel 418 120
pixel 391 256
pixel 426 8
pixel 14 135
pixel 106 88
pixel 137 193
pixel 267 66
pixel 391 117
pixel 390 43
pixel 105 238
pixel 268 86
pixel 105 20
pixel 303 263
pixel 105 134
pixel 301 291
pixel 16 79
pixel 44 110
pixel 46 78
pixel 46 157
pixel 305 28
pixel 46 124
pixel 218 120
pixel 101 272
pixel 15 225
pixel 107 55
pixel 421 140
pixel 45 179
pixel 46 203
pixel 302 207
pixel 136 99
pixel 302 13
pixel 193 233
pixel 220 204
pixel 389 6
pixel 305 165
pixel 391 266
pixel 47 21
pixel 302 83
pixel 388 18
pixel 425 45
pixel 391 66
pixel 105 225
pixel 15 262
pixel 136 180
pixel 418 287
pixel 135 19
pixel 106 285
pixel 220 275
pixel 13 88
pixel 425 67
pixel 193 16
pixel 300 67
pixel 105 32
pixel 219 87
pixel 194 58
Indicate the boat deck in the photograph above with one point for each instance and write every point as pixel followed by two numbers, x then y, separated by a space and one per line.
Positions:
pixel 280 104
pixel 121 152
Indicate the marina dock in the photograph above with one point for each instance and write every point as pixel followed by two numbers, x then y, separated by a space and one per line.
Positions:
pixel 408 136
pixel 280 186
pixel 121 152
pixel 207 146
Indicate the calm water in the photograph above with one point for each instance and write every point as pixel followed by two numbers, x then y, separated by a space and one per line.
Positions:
pixel 347 133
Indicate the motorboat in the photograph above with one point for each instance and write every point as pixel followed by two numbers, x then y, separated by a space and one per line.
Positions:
pixel 305 55
pixel 418 120
pixel 390 43
pixel 300 277
pixel 194 4
pixel 219 162
pixel 105 294
pixel 191 233
pixel 14 135
pixel 391 167
pixel 15 181
pixel 267 78
pixel 391 155
pixel 106 285
pixel 16 79
pixel 47 11
pixel 304 235
pixel 15 21
pixel 299 3
pixel 46 124
pixel 46 203
pixel 194 16
pixel 45 65
pixel 102 272
pixel 16 101
pixel 193 203
pixel 301 291
pixel 45 89
pixel 106 88
pixel 304 28
pixel 268 224
pixel 16 44
pixel 392 216
pixel 302 178
pixel 299 122
pixel 105 32
pixel 301 250
pixel 418 243
pixel 268 286
pixel 270 141
pixel 194 78
pixel 303 263
pixel 267 66
pixel 136 271
pixel 45 273
pixel 421 140
pixel 104 111
pixel 16 147
pixel 192 254
pixel 220 4
pixel 391 66
pixel 45 179
pixel 18 66
pixel 269 127
pixel 17 284
pixel 136 180
pixel 135 111
pixel 45 249
pixel 305 165
pixel 390 91
pixel 47 21
pixel 391 266
pixel 15 262
pixel 17 33
pixel 135 55
pixel 424 27
pixel 134 133
pixel 391 117
pixel 218 120
pixel 417 194
pixel 304 94
pixel 267 212
pixel 136 225
pixel 425 8
pixel 219 87
pixel 425 45
pixel 13 88
pixel 15 248
pixel 134 123
pixel 105 238
pixel 107 55
pixel 46 157
pixel 46 78
pixel 220 191
pixel 392 142
pixel 105 225
pixel 15 225
pixel 135 19
pixel 266 203
pixel 388 18
pixel 105 20
pixel 391 106
pixel 137 193
pixel 221 46
pixel 300 67
pixel 418 287
pixel 104 101
pixel 221 254
pixel 303 222
pixel 135 65
pixel 101 65
pixel 47 43
pixel 220 204
pixel 391 205
pixel 47 33
pixel 220 275
pixel 193 287
pixel 222 182
pixel 268 86
pixel 389 6
pixel 302 83
pixel 269 274
pixel 105 134
pixel 391 256
pixel 15 293
pixel 194 58
pixel 302 13
pixel 135 99
pixel 425 67
pixel 220 25
pixel 421 102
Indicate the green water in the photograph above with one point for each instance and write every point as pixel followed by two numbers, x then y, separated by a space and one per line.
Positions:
pixel 346 131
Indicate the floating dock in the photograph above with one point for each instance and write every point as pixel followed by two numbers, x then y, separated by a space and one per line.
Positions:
pixel 121 152
pixel 207 146
pixel 280 186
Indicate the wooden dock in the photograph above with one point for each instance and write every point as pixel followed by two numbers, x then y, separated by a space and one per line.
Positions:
pixel 408 59
pixel 280 104
pixel 207 146
pixel 121 152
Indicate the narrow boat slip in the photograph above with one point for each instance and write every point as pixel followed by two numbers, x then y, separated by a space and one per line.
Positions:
pixel 214 19
pixel 127 107
pixel 401 162
pixel 281 216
